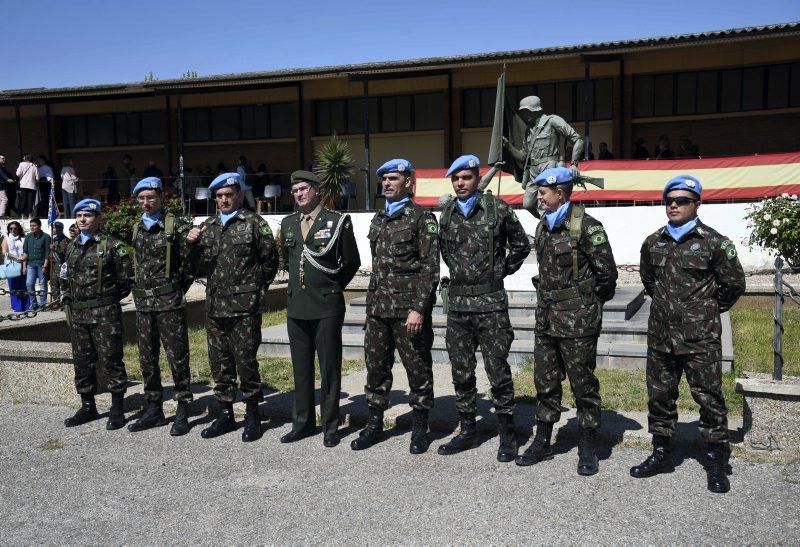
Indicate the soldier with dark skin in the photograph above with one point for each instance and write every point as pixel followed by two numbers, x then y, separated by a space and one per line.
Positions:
pixel 58 252
pixel 162 276
pixel 97 274
pixel 321 255
pixel 693 274
pixel 577 275
pixel 402 292
pixel 481 241
pixel 237 253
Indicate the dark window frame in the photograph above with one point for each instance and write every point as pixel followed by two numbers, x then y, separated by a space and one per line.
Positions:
pixel 719 72
pixel 138 115
pixel 381 125
pixel 240 109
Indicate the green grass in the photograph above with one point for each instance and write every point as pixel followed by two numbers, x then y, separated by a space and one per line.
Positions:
pixel 751 320
pixel 276 373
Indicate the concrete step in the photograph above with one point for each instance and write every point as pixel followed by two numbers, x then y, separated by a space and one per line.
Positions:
pixel 634 331
pixel 626 302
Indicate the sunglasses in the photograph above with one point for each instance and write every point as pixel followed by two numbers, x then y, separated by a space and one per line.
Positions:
pixel 680 202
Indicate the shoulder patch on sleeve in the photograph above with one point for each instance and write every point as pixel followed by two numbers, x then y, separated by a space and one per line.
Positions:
pixel 265 229
pixel 431 226
pixel 122 250
pixel 592 229
pixel 598 238
pixel 514 216
pixel 729 248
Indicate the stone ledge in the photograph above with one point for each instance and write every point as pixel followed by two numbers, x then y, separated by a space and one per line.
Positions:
pixel 753 386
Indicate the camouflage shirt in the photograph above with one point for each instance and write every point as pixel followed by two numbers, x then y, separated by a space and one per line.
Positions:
pixel 150 260
pixel 84 283
pixel 690 283
pixel 573 307
pixel 465 249
pixel 405 262
pixel 240 261
pixel 58 252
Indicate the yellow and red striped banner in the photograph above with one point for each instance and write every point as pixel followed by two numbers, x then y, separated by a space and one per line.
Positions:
pixel 738 177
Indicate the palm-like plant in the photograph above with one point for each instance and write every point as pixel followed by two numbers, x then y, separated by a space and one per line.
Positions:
pixel 333 164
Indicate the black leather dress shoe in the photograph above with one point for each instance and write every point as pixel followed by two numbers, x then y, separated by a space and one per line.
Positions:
pixel 294 436
pixel 331 440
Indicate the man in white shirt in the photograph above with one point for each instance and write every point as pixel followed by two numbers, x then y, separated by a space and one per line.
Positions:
pixel 241 168
pixel 69 187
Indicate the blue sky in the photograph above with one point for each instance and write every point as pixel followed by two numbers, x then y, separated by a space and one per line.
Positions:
pixel 83 42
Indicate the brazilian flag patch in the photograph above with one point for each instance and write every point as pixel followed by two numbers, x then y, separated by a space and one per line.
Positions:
pixel 598 238
pixel 264 228
pixel 430 226
pixel 122 250
pixel 729 248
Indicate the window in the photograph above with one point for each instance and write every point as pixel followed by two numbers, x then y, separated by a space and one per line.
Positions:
pixel 713 91
pixel 234 123
pixel 421 112
pixel 565 99
pixel 119 129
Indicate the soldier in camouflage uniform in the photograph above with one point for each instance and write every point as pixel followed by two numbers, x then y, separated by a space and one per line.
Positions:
pixel 692 274
pixel 543 142
pixel 482 241
pixel 97 274
pixel 58 251
pixel 322 258
pixel 577 275
pixel 162 276
pixel 402 291
pixel 237 253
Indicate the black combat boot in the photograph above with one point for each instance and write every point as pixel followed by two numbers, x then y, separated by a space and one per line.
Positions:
pixel 540 449
pixel 116 418
pixel 717 467
pixel 370 434
pixel 252 423
pixel 660 461
pixel 508 439
pixel 467 438
pixel 587 454
pixel 153 416
pixel 86 413
pixel 224 423
pixel 180 426
pixel 419 433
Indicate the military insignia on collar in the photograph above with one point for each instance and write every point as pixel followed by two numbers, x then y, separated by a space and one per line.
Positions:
pixel 551 179
pixel 690 183
pixel 329 224
pixel 265 229
pixel 695 246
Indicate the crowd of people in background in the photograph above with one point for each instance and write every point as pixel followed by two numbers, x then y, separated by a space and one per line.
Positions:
pixel 663 150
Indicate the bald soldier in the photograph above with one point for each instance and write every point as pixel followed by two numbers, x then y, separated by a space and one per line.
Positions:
pixel 237 253
pixel 692 274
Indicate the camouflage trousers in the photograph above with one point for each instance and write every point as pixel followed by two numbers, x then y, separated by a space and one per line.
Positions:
pixel 384 334
pixel 97 348
pixel 704 376
pixel 55 287
pixel 168 327
pixel 492 332
pixel 576 358
pixel 232 347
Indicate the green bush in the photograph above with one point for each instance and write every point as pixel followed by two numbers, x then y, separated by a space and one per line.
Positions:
pixel 119 219
pixel 776 227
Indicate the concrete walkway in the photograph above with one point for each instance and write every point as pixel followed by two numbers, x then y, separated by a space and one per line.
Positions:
pixel 89 485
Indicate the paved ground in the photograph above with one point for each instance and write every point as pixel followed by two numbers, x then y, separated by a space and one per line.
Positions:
pixel 87 485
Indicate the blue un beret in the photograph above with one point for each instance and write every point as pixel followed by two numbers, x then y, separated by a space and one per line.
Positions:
pixel 225 179
pixel 88 204
pixel 553 176
pixel 149 183
pixel 683 182
pixel 467 161
pixel 396 165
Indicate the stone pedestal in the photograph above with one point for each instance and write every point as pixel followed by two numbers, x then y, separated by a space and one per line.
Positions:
pixel 771 413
